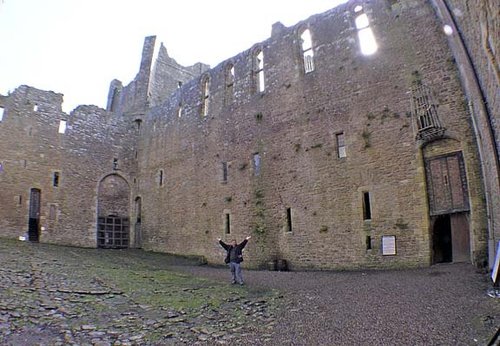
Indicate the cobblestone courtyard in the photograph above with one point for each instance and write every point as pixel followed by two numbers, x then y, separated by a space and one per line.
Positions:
pixel 52 295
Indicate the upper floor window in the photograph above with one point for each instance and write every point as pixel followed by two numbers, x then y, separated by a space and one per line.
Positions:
pixel 256 164
pixel 205 96
pixel 341 152
pixel 229 84
pixel 259 71
pixel 367 42
pixel 179 110
pixel 307 51
pixel 1 114
pixel 62 126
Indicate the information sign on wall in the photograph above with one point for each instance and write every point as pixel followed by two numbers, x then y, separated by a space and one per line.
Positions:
pixel 388 245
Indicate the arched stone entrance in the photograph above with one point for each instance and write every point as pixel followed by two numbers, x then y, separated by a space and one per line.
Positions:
pixel 113 226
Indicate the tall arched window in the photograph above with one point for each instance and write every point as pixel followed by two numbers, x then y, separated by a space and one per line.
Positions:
pixel 205 96
pixel 307 51
pixel 229 77
pixel 259 70
pixel 367 41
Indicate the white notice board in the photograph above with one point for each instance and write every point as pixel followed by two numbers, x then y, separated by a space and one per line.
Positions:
pixel 388 245
pixel 494 270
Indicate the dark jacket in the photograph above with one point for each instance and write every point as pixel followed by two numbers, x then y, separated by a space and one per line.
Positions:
pixel 239 249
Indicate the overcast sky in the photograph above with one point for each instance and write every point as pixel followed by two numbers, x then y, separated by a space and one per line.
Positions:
pixel 76 47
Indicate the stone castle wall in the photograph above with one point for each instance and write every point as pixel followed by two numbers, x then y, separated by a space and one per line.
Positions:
pixel 209 155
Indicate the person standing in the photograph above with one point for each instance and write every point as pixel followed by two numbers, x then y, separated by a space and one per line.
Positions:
pixel 234 257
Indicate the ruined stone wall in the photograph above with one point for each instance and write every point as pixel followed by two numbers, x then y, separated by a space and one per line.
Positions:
pixel 30 153
pixel 32 150
pixel 293 126
pixel 192 158
pixel 168 75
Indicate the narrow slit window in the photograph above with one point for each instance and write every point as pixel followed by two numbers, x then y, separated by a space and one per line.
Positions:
pixel 367 42
pixel 224 172
pixel 179 84
pixel 62 126
pixel 205 97
pixel 115 164
pixel 256 164
pixel 307 51
pixel 368 242
pixel 55 179
pixel 259 71
pixel 341 148
pixel 20 200
pixel 1 114
pixel 289 220
pixel 160 178
pixel 229 84
pixel 35 108
pixel 179 111
pixel 227 223
pixel 367 210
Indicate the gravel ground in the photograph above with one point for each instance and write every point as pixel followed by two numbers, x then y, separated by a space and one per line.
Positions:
pixel 52 295
pixel 441 305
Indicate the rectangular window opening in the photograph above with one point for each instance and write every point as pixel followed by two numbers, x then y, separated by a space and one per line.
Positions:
pixel 289 220
pixel 224 172
pixel 55 179
pixel 227 223
pixel 341 149
pixel 62 126
pixel 1 114
pixel 367 212
pixel 256 164
pixel 368 242
pixel 20 200
pixel 115 164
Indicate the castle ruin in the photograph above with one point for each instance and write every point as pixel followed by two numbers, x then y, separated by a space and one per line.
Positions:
pixel 330 154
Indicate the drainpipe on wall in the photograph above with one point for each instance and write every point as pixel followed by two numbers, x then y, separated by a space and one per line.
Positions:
pixel 483 131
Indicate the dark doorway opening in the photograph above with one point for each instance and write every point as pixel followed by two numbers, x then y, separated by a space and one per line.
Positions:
pixel 138 221
pixel 441 240
pixel 34 215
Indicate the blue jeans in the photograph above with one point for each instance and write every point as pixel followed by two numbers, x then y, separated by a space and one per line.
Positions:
pixel 236 272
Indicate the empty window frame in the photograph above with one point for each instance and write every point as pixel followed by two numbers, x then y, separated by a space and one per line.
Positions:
pixel 35 108
pixel 62 126
pixel 205 96
pixel 341 148
pixel 227 223
pixel 259 79
pixel 224 172
pixel 256 164
pixel 307 51
pixel 229 77
pixel 1 114
pixel 289 220
pixel 55 179
pixel 367 42
pixel 115 164
pixel 367 209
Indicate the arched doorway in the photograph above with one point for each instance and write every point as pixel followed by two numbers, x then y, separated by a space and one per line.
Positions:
pixel 113 227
